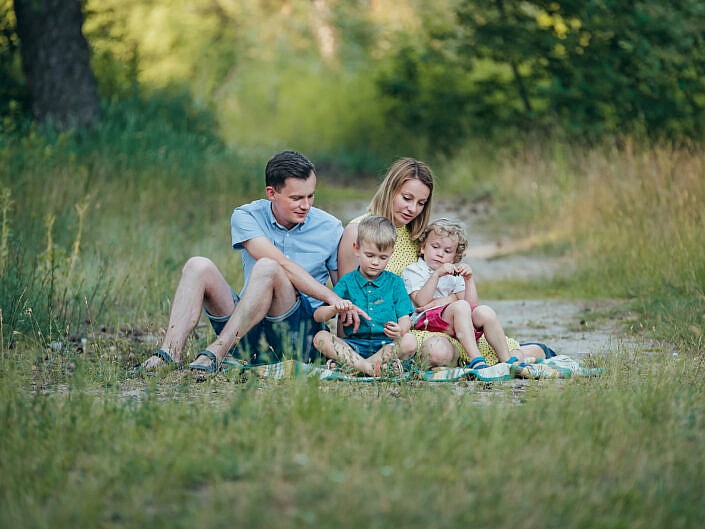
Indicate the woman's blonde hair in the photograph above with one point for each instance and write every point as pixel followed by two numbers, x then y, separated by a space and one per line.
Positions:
pixel 402 171
pixel 447 228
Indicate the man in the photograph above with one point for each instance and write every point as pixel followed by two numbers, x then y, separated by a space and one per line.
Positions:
pixel 289 250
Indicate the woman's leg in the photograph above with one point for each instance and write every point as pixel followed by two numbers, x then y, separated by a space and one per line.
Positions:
pixel 438 351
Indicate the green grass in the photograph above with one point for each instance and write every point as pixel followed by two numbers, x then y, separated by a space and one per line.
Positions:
pixel 92 236
pixel 618 450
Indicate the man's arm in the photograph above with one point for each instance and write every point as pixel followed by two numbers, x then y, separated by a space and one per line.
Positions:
pixel 259 247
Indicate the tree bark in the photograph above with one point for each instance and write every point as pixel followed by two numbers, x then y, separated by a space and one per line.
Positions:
pixel 56 63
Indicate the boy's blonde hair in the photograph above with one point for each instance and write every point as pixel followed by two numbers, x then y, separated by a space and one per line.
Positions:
pixel 377 230
pixel 447 228
pixel 399 173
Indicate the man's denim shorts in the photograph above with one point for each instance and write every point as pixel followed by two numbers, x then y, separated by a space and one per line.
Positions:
pixel 274 339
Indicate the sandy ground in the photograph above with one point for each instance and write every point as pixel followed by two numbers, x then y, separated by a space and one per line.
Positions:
pixel 575 328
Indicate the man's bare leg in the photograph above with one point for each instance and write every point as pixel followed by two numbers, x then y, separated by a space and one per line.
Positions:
pixel 269 293
pixel 201 285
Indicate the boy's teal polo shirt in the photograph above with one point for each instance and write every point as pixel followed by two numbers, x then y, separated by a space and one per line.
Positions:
pixel 384 299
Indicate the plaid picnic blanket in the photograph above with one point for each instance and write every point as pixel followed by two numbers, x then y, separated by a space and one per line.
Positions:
pixel 560 366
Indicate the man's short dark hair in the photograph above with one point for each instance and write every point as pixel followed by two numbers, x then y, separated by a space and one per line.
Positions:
pixel 287 164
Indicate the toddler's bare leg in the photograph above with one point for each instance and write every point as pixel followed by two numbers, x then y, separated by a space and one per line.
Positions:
pixel 459 315
pixel 485 318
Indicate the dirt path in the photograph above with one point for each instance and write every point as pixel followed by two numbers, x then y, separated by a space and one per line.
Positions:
pixel 575 328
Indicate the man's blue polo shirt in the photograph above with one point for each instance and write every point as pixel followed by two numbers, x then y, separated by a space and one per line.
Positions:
pixel 384 299
pixel 312 244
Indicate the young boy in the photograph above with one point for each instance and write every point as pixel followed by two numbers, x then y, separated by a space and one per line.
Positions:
pixel 443 290
pixel 383 337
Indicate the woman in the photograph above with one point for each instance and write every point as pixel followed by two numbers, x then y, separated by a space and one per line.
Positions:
pixel 404 197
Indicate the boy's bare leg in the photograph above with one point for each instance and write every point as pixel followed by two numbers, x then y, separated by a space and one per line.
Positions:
pixel 336 349
pixel 403 350
pixel 201 284
pixel 269 293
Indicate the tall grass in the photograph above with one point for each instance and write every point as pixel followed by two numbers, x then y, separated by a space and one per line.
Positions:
pixel 632 217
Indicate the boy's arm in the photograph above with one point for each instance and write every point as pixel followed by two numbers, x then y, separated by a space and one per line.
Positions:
pixel 404 324
pixel 324 313
pixel 397 329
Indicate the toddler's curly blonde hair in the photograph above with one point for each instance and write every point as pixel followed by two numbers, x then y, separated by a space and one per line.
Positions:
pixel 447 228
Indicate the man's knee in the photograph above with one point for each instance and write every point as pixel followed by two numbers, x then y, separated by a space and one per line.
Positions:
pixel 198 266
pixel 266 267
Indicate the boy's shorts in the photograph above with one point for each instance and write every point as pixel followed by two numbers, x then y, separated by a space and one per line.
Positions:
pixel 432 320
pixel 367 347
pixel 275 338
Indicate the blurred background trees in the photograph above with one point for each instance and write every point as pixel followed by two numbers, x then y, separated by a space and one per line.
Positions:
pixel 357 81
pixel 56 62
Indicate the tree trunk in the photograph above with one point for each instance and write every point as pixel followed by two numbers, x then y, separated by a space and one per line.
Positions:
pixel 56 62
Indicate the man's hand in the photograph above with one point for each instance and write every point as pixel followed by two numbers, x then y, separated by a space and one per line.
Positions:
pixel 352 315
pixel 343 305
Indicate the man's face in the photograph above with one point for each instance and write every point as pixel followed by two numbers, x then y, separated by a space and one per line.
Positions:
pixel 292 202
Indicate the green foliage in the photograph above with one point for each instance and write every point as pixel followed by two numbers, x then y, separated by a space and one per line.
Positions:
pixel 597 68
pixel 629 216
pixel 573 69
pixel 121 198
